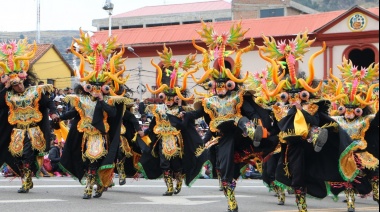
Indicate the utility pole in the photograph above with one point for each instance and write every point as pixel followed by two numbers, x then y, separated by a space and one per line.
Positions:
pixel 38 21
pixel 108 6
pixel 139 88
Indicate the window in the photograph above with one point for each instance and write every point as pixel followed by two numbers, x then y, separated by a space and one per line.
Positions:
pixel 50 81
pixel 272 13
pixel 362 55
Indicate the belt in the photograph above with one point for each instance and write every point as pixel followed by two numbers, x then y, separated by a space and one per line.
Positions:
pixel 23 126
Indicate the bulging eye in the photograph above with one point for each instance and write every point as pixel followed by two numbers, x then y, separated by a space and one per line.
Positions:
pixel 211 84
pixel 304 95
pixel 106 89
pixel 342 109
pixel 87 87
pixel 230 85
pixel 278 104
pixel 161 96
pixel 284 96
pixel 358 111
pixel 176 99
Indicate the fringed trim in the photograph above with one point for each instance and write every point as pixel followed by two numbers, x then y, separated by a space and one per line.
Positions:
pixel 348 150
pixel 112 100
pixel 125 148
pixel 200 150
pixel 45 88
pixel 281 185
pixel 142 171
pixel 67 171
pixel 332 124
pixel 105 174
pixel 367 160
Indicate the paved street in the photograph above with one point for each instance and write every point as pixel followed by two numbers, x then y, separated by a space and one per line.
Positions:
pixel 65 194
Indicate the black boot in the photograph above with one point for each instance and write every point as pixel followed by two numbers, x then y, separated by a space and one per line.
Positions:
pixel 301 199
pixel 90 182
pixel 375 189
pixel 120 170
pixel 27 182
pixel 220 180
pixel 179 179
pixel 229 192
pixel 99 191
pixel 169 183
pixel 350 197
pixel 280 194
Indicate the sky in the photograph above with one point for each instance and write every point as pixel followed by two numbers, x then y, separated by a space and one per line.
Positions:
pixel 21 15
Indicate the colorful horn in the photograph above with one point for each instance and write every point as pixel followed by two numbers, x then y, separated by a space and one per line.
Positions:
pixel 275 91
pixel 310 79
pixel 203 78
pixel 367 101
pixel 339 85
pixel 159 73
pixel 308 87
pixel 184 83
pixel 81 64
pixel 159 90
pixel 274 66
pixel 179 94
pixel 233 78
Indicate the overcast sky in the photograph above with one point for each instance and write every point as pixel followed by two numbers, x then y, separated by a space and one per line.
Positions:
pixel 21 15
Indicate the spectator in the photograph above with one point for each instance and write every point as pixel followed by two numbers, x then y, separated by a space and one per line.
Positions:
pixel 41 82
pixel 54 156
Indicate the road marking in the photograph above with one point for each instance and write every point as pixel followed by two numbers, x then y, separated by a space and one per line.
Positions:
pixel 180 200
pixel 127 186
pixel 31 200
pixel 334 209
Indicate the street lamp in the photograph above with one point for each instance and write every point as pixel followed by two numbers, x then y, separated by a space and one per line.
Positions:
pixel 139 88
pixel 108 6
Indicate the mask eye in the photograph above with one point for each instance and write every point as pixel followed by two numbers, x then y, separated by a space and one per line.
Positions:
pixel 342 109
pixel 211 84
pixel 278 104
pixel 87 87
pixel 162 96
pixel 106 89
pixel 4 78
pixel 304 95
pixel 230 85
pixel 358 111
pixel 284 96
pixel 176 99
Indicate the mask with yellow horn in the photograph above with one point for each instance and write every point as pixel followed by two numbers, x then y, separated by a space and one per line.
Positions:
pixel 172 93
pixel 222 79
pixel 284 55
pixel 14 60
pixel 107 65
pixel 355 91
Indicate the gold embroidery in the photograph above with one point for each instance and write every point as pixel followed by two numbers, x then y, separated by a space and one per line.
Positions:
pixel 16 145
pixel 37 139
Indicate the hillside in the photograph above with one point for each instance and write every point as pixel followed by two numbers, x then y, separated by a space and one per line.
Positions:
pixel 331 5
pixel 61 39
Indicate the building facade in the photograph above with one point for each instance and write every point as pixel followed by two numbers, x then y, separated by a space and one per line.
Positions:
pixel 352 33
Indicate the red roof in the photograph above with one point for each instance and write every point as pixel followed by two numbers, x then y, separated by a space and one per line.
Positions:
pixel 177 8
pixel 276 26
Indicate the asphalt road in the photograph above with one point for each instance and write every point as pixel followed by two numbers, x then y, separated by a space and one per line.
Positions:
pixel 65 194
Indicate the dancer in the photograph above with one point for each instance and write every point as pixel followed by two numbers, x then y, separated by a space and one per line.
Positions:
pixel 24 110
pixel 173 144
pixel 224 107
pixel 304 123
pixel 94 137
pixel 361 123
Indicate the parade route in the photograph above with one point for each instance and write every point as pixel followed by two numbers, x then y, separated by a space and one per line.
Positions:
pixel 57 194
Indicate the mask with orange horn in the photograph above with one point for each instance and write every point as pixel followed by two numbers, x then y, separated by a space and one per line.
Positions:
pixel 14 60
pixel 355 91
pixel 107 65
pixel 222 79
pixel 172 93
pixel 284 55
